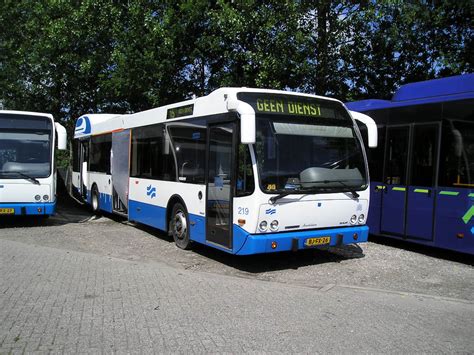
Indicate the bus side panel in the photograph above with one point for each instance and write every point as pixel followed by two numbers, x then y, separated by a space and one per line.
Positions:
pixel 149 214
pixel 149 199
pixel 454 228
pixel 104 186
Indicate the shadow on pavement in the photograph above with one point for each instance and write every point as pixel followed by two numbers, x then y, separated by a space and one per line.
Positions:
pixel 67 211
pixel 424 249
pixel 268 262
pixel 281 260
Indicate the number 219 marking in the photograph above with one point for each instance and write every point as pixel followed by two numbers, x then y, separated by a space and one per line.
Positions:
pixel 243 210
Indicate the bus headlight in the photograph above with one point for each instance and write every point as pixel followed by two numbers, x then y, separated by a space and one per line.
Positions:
pixel 353 219
pixel 46 197
pixel 274 225
pixel 263 226
pixel 37 197
pixel 361 219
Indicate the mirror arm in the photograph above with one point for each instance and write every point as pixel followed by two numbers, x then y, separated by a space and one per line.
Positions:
pixel 371 127
pixel 247 119
pixel 61 136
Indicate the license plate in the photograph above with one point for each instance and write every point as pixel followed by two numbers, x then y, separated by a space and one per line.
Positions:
pixel 312 242
pixel 7 210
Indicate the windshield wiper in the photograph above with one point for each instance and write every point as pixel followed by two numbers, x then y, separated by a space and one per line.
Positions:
pixel 352 191
pixel 27 177
pixel 279 196
pixel 313 189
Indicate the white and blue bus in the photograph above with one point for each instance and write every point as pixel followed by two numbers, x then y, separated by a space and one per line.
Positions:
pixel 27 168
pixel 243 170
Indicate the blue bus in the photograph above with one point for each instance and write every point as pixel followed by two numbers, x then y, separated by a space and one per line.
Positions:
pixel 422 172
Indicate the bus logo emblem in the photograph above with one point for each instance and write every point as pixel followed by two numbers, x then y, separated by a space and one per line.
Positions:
pixel 83 126
pixel 270 211
pixel 151 191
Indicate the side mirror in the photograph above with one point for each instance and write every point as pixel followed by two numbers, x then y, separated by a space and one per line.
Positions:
pixel 247 119
pixel 61 136
pixel 371 127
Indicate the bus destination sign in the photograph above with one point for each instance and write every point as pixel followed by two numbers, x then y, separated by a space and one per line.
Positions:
pixel 288 105
pixel 181 111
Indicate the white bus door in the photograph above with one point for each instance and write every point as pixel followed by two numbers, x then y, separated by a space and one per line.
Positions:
pixel 219 184
pixel 84 163
pixel 120 170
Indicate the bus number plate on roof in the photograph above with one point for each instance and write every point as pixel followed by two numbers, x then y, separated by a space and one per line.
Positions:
pixel 7 210
pixel 312 242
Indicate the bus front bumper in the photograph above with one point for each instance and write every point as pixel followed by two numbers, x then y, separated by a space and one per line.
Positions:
pixel 276 242
pixel 25 209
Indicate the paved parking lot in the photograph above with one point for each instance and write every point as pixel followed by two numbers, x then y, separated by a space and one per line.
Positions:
pixel 84 284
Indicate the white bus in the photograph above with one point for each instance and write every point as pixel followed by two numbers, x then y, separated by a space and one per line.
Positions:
pixel 243 170
pixel 27 167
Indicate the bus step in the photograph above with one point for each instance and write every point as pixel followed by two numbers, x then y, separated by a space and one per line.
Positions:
pixel 121 213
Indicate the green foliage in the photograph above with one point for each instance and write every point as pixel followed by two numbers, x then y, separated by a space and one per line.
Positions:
pixel 74 57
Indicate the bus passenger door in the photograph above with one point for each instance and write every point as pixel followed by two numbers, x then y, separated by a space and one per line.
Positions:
pixel 220 154
pixel 423 172
pixel 394 193
pixel 84 164
pixel 119 168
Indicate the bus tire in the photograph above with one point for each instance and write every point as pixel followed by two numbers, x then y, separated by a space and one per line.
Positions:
pixel 179 226
pixel 95 204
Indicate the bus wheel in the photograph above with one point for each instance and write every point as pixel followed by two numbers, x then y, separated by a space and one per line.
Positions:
pixel 179 226
pixel 95 200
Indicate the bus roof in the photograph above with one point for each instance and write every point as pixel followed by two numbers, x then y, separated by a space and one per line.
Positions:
pixel 26 113
pixel 214 103
pixel 423 92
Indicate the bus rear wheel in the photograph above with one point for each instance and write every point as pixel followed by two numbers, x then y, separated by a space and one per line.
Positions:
pixel 179 226
pixel 95 200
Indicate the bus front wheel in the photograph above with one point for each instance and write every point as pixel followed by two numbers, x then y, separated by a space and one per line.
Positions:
pixel 95 200
pixel 179 226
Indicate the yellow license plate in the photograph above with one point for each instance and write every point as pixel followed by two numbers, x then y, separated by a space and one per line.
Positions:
pixel 312 242
pixel 7 210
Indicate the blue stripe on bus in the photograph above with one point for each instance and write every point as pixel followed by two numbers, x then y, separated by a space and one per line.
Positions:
pixel 244 243
pixel 155 216
pixel 261 243
pixel 105 202
pixel 31 208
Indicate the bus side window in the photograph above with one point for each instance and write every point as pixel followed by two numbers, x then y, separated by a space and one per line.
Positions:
pixel 189 144
pixel 151 158
pixel 100 153
pixel 375 156
pixel 457 145
pixel 245 184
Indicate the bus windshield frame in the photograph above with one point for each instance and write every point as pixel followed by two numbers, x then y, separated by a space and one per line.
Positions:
pixel 26 146
pixel 306 145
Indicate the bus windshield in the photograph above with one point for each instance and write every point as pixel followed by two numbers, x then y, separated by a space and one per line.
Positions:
pixel 308 155
pixel 25 147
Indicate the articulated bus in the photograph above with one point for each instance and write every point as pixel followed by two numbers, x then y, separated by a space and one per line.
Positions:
pixel 422 172
pixel 243 170
pixel 27 168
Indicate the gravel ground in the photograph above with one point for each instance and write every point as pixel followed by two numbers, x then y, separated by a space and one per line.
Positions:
pixel 370 265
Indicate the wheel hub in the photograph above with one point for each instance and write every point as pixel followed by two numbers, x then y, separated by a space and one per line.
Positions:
pixel 180 225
